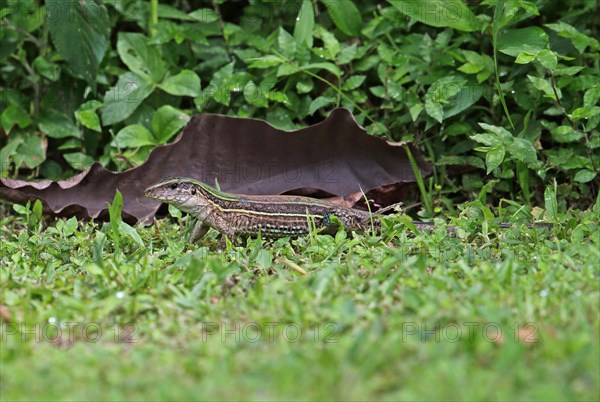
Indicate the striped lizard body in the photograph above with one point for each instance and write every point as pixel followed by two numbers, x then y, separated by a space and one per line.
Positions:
pixel 237 214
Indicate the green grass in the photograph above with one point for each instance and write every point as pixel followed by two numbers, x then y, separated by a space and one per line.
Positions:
pixel 378 317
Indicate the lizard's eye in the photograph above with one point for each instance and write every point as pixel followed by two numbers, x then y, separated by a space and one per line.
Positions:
pixel 193 191
pixel 173 186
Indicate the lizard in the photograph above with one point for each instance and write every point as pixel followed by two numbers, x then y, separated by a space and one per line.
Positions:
pixel 273 216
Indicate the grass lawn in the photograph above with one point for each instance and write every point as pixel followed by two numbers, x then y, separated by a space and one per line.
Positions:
pixel 99 311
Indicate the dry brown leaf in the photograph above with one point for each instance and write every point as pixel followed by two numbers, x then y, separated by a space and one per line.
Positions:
pixel 335 157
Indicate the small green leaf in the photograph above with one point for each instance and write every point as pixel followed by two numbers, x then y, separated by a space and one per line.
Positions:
pixel 544 85
pixel 353 82
pixel 345 15
pixel 525 40
pixel 449 13
pixel 124 98
pixel 332 45
pixel 133 136
pixel 564 134
pixel 80 31
pixel 584 176
pixel 524 58
pixel 522 149
pixel 46 68
pixel 265 61
pixel 287 44
pixel 591 96
pixel 487 139
pixel 140 56
pixel 204 15
pixel 548 59
pixel 167 121
pixel 319 103
pixel 305 23
pixel 57 125
pixel 332 68
pixel 14 115
pixel 494 158
pixel 585 112
pixel 186 83
pixel 87 116
pixel 131 233
pixel 78 160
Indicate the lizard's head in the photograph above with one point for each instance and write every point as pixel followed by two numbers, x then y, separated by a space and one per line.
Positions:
pixel 184 194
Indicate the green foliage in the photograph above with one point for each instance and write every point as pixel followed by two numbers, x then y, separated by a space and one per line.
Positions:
pixel 507 88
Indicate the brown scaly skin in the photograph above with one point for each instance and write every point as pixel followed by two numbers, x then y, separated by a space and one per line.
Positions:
pixel 272 216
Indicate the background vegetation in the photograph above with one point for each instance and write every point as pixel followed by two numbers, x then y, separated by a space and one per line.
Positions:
pixel 501 96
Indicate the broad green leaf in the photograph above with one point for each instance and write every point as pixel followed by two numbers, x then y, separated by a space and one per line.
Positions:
pixel 14 115
pixel 124 98
pixel 584 176
pixel 591 96
pixel 265 61
pixel 449 13
pixel 524 58
pixel 435 110
pixel 494 158
pixel 525 40
pixel 166 11
pixel 487 139
pixel 87 116
pixel 585 112
pixel 46 68
pixel 580 40
pixel 332 68
pixel 548 59
pixel 522 150
pixel 353 82
pixel 544 85
pixel 167 121
pixel 319 103
pixel 441 93
pixel 31 152
pixel 80 31
pixel 7 152
pixel 57 125
pixel 186 83
pixel 346 54
pixel 216 89
pixel 204 15
pixel 254 95
pixel 304 87
pixel 287 69
pixel 78 160
pixel 305 23
pixel 568 70
pixel 133 136
pixel 565 134
pixel 332 45
pixel 287 44
pixel 141 57
pixel 344 15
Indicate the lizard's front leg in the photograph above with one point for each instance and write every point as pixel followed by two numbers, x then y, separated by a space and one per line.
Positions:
pixel 226 228
pixel 199 231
